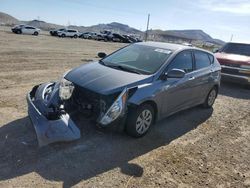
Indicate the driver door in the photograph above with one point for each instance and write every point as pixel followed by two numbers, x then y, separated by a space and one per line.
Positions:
pixel 179 92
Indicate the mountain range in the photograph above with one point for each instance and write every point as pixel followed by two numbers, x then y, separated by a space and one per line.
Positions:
pixel 159 35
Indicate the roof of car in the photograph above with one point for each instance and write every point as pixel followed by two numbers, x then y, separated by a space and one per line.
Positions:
pixel 164 45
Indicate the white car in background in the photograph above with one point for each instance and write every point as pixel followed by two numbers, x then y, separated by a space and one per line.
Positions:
pixel 68 33
pixel 25 29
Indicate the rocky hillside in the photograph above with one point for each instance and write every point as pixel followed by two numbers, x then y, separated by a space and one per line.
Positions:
pixel 186 35
pixel 6 19
pixel 42 25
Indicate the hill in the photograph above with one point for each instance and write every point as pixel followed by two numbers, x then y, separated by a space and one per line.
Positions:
pixel 42 25
pixel 6 19
pixel 184 35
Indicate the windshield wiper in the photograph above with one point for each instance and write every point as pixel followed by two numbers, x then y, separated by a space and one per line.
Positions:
pixel 125 68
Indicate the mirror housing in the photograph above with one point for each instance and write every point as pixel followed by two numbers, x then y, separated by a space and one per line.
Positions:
pixel 102 54
pixel 215 50
pixel 174 73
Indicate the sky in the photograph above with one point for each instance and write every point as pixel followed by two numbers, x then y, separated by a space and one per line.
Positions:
pixel 219 18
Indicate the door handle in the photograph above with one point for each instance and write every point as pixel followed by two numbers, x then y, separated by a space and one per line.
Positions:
pixel 191 78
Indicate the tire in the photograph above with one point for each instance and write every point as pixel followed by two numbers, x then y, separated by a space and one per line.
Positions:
pixel 35 33
pixel 75 36
pixel 140 120
pixel 18 31
pixel 63 35
pixel 210 98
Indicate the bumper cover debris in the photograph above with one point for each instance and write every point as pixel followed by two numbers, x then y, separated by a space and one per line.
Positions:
pixel 50 131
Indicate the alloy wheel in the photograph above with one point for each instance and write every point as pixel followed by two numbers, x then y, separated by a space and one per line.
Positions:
pixel 144 121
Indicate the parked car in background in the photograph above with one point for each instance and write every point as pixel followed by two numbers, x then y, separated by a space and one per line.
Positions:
pixel 235 62
pixel 25 29
pixel 68 33
pixel 88 35
pixel 130 38
pixel 128 90
pixel 84 35
pixel 101 37
pixel 55 31
pixel 119 38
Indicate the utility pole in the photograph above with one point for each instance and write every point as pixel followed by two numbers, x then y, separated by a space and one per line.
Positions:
pixel 146 34
pixel 231 38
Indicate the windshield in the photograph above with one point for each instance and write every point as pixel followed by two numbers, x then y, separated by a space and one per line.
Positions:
pixel 235 48
pixel 138 58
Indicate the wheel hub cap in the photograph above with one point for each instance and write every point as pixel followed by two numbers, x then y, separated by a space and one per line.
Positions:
pixel 211 97
pixel 143 121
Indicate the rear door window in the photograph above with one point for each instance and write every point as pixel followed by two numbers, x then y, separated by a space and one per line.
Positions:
pixel 29 28
pixel 202 60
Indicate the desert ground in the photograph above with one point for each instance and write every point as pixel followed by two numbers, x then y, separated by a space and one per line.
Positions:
pixel 194 148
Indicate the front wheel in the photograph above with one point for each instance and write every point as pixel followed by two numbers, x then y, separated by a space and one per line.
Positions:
pixel 35 33
pixel 140 120
pixel 210 98
pixel 75 36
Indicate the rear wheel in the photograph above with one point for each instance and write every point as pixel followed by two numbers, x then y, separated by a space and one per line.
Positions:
pixel 140 120
pixel 35 33
pixel 63 35
pixel 75 36
pixel 18 31
pixel 210 98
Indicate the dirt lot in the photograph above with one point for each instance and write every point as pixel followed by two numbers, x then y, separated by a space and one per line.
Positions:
pixel 194 148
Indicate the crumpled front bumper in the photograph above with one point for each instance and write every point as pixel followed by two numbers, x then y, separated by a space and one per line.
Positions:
pixel 49 131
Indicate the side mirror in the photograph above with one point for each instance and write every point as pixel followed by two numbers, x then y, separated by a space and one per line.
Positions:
pixel 101 54
pixel 174 73
pixel 215 50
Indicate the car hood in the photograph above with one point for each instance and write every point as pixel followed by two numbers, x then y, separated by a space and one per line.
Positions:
pixel 225 58
pixel 105 80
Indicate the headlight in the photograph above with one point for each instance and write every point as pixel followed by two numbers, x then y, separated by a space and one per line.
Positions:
pixel 116 109
pixel 65 89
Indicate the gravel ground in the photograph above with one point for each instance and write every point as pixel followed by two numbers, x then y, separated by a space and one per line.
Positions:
pixel 194 148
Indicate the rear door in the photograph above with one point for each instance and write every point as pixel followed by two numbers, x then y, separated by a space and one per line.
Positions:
pixel 203 74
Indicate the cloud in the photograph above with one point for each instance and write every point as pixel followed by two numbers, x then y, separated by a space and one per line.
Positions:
pixel 240 7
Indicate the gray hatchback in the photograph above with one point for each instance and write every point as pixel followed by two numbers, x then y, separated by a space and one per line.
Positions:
pixel 129 90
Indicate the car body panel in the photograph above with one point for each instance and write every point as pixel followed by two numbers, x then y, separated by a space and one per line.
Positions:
pixel 105 80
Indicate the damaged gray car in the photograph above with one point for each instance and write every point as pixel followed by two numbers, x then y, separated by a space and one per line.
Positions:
pixel 129 89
